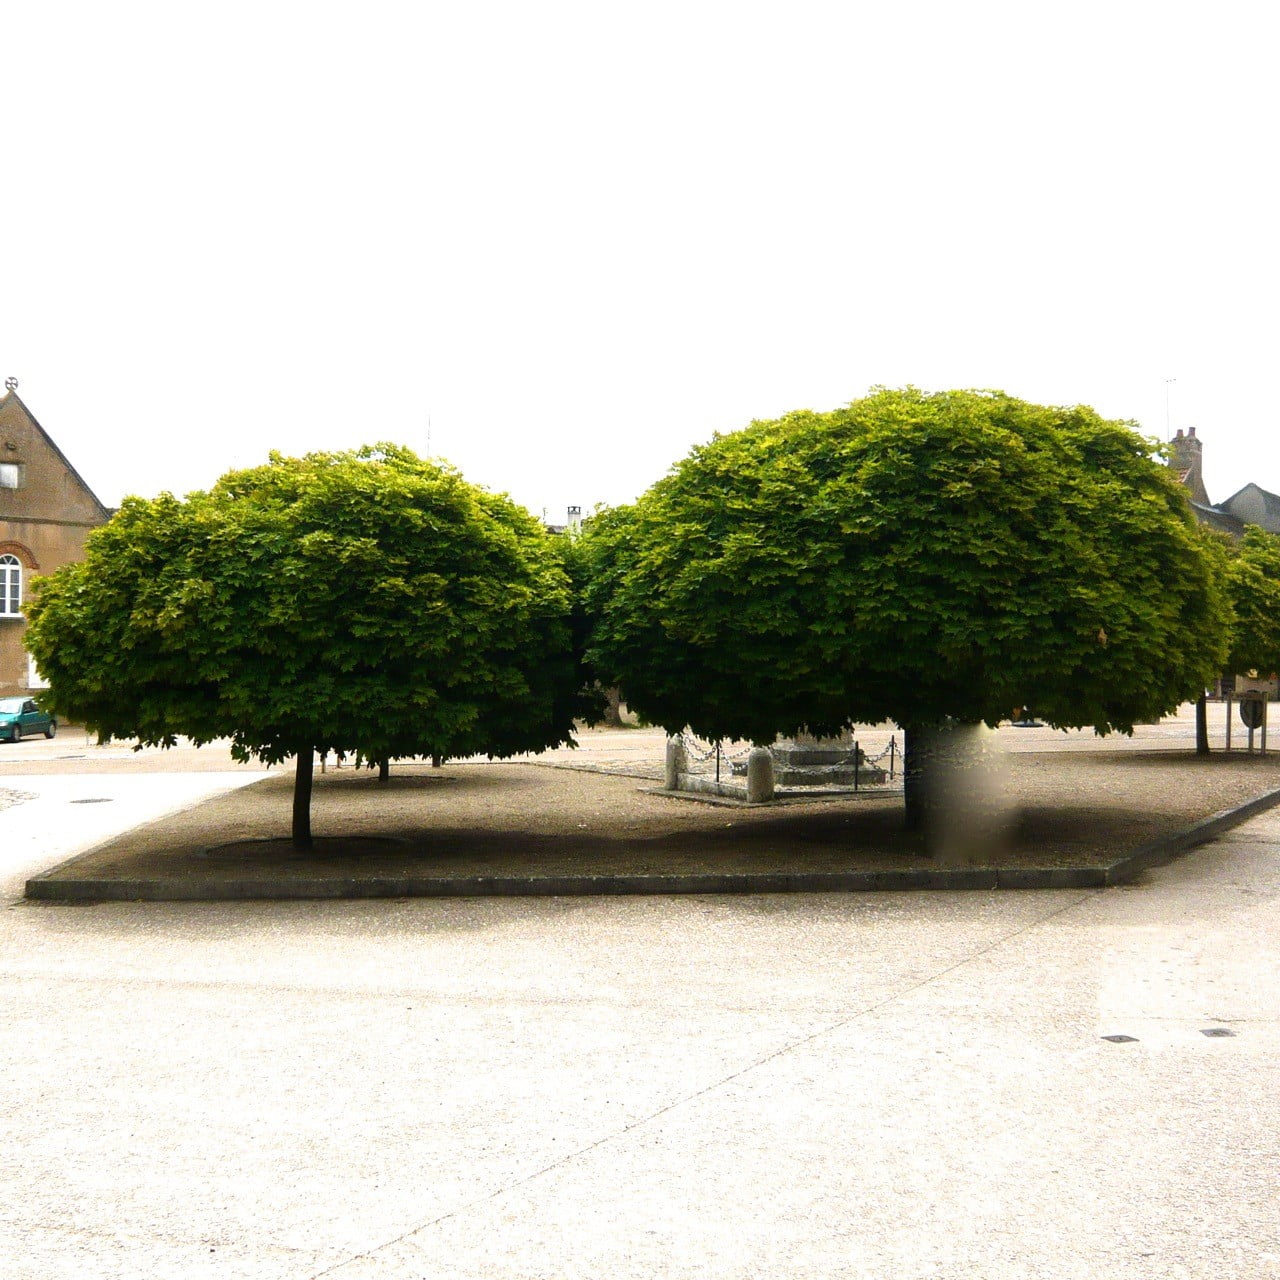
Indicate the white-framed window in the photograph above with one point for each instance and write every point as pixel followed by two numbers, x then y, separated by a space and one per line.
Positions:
pixel 34 679
pixel 10 475
pixel 10 586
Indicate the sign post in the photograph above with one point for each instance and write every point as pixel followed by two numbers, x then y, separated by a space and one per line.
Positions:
pixel 1253 711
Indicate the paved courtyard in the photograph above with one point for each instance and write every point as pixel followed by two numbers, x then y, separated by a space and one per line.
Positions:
pixel 886 1085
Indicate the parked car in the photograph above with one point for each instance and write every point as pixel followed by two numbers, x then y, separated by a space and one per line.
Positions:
pixel 19 716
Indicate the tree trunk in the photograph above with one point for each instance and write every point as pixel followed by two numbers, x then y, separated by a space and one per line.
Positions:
pixel 1202 726
pixel 613 708
pixel 915 785
pixel 384 770
pixel 302 800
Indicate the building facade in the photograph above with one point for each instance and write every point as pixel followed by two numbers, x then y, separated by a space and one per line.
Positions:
pixel 46 513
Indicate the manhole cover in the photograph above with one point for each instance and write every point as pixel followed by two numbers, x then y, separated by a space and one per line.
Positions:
pixel 1121 1039
pixel 1217 1032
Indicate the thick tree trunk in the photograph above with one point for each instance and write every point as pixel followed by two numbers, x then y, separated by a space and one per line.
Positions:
pixel 302 800
pixel 915 782
pixel 1202 726
pixel 949 805
pixel 613 708
pixel 384 770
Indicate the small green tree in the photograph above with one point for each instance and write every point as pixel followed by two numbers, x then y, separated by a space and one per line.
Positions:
pixel 368 602
pixel 1253 584
pixel 913 557
pixel 1251 580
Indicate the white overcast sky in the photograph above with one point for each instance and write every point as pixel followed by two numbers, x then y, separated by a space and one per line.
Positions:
pixel 579 238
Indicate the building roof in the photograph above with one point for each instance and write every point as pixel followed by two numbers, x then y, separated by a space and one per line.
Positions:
pixel 1255 505
pixel 11 399
pixel 1216 518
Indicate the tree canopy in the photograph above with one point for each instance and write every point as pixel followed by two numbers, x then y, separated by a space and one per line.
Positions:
pixel 910 557
pixel 365 602
pixel 1253 584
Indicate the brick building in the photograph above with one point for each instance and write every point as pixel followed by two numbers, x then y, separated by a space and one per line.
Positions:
pixel 46 512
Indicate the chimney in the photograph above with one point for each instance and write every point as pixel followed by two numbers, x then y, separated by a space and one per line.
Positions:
pixel 1185 459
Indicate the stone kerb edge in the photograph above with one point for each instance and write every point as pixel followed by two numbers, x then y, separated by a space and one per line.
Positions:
pixel 1159 852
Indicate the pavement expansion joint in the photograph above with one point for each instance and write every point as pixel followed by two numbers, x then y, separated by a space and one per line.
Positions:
pixel 789 1047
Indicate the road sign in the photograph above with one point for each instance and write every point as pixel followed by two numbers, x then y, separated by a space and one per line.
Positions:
pixel 1252 710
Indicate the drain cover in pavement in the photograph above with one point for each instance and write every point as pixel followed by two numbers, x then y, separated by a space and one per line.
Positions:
pixel 1217 1032
pixel 1121 1039
pixel 94 800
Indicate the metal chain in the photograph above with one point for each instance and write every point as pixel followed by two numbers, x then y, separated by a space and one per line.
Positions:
pixel 892 747
pixel 697 751
pixel 700 755
pixel 701 751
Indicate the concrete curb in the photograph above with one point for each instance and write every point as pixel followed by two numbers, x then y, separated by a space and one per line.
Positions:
pixel 286 888
pixel 282 888
pixel 1160 852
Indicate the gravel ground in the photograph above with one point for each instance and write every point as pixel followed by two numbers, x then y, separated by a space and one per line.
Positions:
pixel 1067 809
pixel 1071 799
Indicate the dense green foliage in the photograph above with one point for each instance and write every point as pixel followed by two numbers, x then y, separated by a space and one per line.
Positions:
pixel 1253 584
pixel 369 603
pixel 910 557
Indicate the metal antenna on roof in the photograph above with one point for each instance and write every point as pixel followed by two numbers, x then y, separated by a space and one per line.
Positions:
pixel 1168 430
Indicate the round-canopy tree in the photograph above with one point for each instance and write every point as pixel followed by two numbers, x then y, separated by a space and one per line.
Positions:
pixel 368 602
pixel 913 557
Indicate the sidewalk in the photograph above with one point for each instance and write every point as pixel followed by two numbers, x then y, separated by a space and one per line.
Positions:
pixel 1049 1086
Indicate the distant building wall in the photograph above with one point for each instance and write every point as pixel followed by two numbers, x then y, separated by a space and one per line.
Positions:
pixel 46 513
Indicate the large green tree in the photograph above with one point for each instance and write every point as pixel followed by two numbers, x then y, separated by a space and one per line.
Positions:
pixel 914 557
pixel 367 602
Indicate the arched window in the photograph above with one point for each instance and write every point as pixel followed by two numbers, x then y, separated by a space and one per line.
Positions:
pixel 10 586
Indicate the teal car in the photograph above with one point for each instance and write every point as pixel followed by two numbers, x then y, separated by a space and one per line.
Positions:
pixel 19 716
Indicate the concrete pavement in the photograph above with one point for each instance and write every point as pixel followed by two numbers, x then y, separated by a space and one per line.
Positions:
pixel 45 818
pixel 888 1085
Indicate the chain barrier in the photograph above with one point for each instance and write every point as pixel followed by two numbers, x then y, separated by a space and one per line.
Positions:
pixel 701 751
pixel 693 745
pixel 893 751
pixel 698 751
